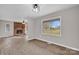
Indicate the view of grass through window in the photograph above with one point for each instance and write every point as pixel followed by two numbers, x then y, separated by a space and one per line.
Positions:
pixel 52 27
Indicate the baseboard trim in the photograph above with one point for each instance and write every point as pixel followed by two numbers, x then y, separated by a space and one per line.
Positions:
pixel 6 37
pixel 49 42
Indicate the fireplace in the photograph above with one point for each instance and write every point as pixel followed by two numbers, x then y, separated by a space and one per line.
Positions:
pixel 19 31
pixel 19 28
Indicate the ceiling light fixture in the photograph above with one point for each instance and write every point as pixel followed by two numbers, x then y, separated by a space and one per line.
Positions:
pixel 36 8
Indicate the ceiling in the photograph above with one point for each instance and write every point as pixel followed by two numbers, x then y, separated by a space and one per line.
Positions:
pixel 24 11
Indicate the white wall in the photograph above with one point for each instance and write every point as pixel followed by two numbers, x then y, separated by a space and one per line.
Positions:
pixel 3 33
pixel 31 29
pixel 69 28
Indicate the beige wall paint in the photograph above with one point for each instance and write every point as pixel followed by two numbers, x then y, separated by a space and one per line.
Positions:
pixel 69 28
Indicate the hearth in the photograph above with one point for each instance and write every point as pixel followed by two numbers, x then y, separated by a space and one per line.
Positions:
pixel 19 31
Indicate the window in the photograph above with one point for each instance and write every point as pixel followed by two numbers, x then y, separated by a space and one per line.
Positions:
pixel 52 27
pixel 7 27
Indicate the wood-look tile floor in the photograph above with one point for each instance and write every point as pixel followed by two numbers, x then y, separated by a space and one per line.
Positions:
pixel 19 45
pixel 59 50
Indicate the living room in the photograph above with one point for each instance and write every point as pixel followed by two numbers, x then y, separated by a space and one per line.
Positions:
pixel 52 30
